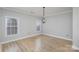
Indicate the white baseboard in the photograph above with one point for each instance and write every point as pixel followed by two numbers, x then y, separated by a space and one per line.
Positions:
pixel 35 35
pixel 75 47
pixel 20 38
pixel 58 36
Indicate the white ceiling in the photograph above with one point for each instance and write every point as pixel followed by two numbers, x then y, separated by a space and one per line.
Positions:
pixel 38 11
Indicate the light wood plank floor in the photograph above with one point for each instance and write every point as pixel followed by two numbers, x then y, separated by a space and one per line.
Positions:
pixel 41 43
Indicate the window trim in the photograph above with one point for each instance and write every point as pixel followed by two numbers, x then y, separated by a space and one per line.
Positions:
pixel 6 19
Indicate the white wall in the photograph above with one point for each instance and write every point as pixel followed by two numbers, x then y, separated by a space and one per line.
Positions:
pixel 60 25
pixel 76 28
pixel 0 24
pixel 27 25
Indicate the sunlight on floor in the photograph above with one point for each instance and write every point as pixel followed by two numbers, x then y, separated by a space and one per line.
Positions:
pixel 40 43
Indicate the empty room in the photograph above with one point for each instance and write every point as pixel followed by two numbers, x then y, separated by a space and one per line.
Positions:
pixel 39 29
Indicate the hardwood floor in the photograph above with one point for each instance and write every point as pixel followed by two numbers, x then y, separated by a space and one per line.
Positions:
pixel 41 43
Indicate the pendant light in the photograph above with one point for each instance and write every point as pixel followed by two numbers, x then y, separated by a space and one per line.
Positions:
pixel 43 18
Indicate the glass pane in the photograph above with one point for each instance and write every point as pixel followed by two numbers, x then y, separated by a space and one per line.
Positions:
pixel 12 22
pixel 11 30
pixel 8 31
pixel 14 30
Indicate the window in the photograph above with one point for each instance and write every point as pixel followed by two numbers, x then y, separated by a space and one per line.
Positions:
pixel 11 26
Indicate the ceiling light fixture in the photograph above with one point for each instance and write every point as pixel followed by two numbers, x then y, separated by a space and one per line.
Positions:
pixel 43 18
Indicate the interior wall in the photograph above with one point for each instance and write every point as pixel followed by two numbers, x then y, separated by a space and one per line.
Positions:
pixel 76 28
pixel 27 25
pixel 0 25
pixel 59 25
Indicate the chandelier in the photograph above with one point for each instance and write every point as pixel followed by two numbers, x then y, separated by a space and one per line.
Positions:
pixel 43 18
